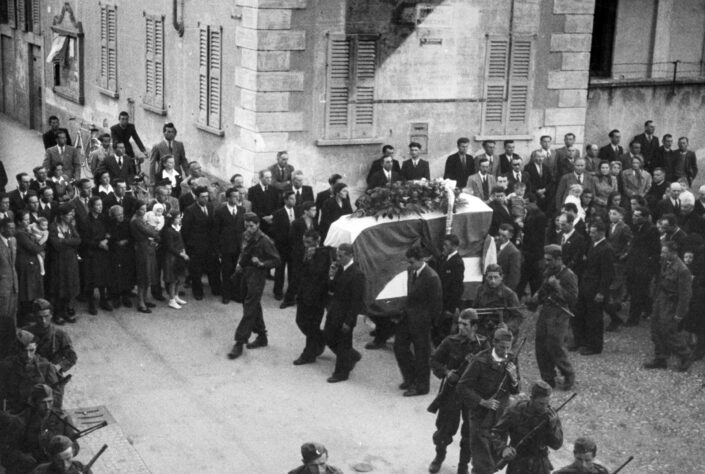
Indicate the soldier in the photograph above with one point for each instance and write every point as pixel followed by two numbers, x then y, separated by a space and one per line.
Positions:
pixel 484 390
pixel 61 454
pixel 448 362
pixel 20 372
pixel 493 293
pixel 53 343
pixel 315 460
pixel 531 457
pixel 557 295
pixel 673 292
pixel 584 451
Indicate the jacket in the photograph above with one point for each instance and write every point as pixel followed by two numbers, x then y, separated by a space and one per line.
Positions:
pixel 347 289
pixel 119 134
pixel 161 150
pixel 70 159
pixel 409 172
pixel 455 170
pixel 424 298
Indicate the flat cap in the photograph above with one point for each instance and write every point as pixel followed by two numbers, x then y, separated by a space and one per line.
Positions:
pixel 540 389
pixel 59 444
pixel 312 451
pixel 553 250
pixel 40 304
pixel 24 337
pixel 584 445
pixel 502 334
pixel 41 393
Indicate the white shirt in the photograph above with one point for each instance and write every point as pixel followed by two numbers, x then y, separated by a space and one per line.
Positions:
pixel 171 175
pixel 232 210
pixel 598 242
pixel 497 358
pixel 4 241
pixel 290 213
pixel 502 246
pixel 567 236
pixel 418 272
pixel 451 254
pixel 106 189
pixel 348 265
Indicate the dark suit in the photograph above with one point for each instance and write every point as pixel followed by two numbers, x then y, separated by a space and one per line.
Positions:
pixel 175 189
pixel 161 150
pixel 311 299
pixel 377 166
pixel 664 159
pixel 70 159
pixel 681 165
pixel 451 271
pixel 691 224
pixel 588 324
pixel 303 194
pixel 424 303
pixel 509 258
pixel 127 171
pixel 186 199
pixel 410 172
pixel 523 177
pixel 667 206
pixel 281 233
pixel 564 161
pixel 655 195
pixel 567 181
pixel 648 150
pixel 48 211
pixel 541 181
pixel 607 153
pixel 129 204
pixel 199 239
pixel 455 169
pixel 281 178
pixel 228 230
pixel 379 179
pixel 347 289
pixel 264 203
pixel 49 137
pixel 500 215
pixel 330 213
pixel 17 200
pixel 123 135
pixel 38 187
pixel 505 162
pixel 573 251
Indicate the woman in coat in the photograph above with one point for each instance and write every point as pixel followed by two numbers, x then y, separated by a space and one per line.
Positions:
pixel 122 257
pixel 96 256
pixel 175 258
pixel 29 277
pixel 334 208
pixel 63 262
pixel 146 239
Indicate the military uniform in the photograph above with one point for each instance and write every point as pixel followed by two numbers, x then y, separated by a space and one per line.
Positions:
pixel 532 455
pixel 552 326
pixel 673 292
pixel 48 468
pixel 305 470
pixel 575 469
pixel 18 378
pixel 501 297
pixel 480 381
pixel 453 354
pixel 55 345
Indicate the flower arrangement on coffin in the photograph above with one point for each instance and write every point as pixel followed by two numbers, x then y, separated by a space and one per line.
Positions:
pixel 410 197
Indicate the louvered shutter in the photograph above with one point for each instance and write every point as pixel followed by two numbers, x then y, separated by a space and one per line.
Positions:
pixel 103 47
pixel 21 15
pixel 364 93
pixel 159 62
pixel 36 18
pixel 11 14
pixel 214 60
pixel 203 75
pixel 112 48
pixel 150 51
pixel 338 87
pixel 495 85
pixel 519 75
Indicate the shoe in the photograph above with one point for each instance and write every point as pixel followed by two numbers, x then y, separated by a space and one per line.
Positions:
pixel 144 309
pixel 58 320
pixel 225 300
pixel 587 352
pixel 180 301
pixel 105 305
pixel 126 302
pixel 70 312
pixel 405 385
pixel 174 304
pixel 159 297
pixel 286 304
pixel 613 326
pixel 91 307
pixel 374 345
pixel 414 392
pixel 304 360
pixel 258 342
pixel 685 364
pixel 236 351
pixel 149 304
pixel 198 297
pixel 568 383
pixel 336 378
pixel 278 296
pixel 435 465
pixel 656 364
pixel 356 358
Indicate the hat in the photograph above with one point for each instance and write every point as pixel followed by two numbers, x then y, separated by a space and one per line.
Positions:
pixel 41 393
pixel 59 444
pixel 40 304
pixel 65 208
pixel 585 445
pixel 503 335
pixel 25 338
pixel 312 451
pixel 164 182
pixel 553 250
pixel 540 389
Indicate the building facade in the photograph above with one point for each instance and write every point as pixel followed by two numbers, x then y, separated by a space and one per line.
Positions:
pixel 333 80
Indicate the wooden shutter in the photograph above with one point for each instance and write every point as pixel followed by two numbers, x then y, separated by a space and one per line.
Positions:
pixel 519 75
pixel 364 91
pixel 112 48
pixel 495 85
pixel 21 15
pixel 103 46
pixel 203 75
pixel 149 49
pixel 214 66
pixel 154 61
pixel 338 87
pixel 36 18
pixel 11 14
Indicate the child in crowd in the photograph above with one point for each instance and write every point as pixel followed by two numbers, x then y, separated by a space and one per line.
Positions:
pixel 155 217
pixel 40 233
pixel 517 203
pixel 574 195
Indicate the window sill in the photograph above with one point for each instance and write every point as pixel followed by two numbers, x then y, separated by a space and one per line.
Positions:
pixel 212 130
pixel 596 83
pixel 348 141
pixel 68 94
pixel 108 92
pixel 154 109
pixel 481 138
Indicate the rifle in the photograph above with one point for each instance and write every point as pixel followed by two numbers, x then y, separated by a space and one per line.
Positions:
pixel 549 299
pixel 501 388
pixel 503 462
pixel 62 381
pixel 446 388
pixel 624 465
pixel 100 452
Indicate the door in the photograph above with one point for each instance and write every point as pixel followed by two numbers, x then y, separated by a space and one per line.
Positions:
pixel 35 87
pixel 8 73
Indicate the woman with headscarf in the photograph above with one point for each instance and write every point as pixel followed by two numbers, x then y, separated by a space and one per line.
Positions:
pixel 335 207
pixel 122 257
pixel 146 239
pixel 63 263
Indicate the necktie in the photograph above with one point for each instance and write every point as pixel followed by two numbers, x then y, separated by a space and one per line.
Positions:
pixel 485 188
pixel 580 179
pixel 205 210
pixel 170 146
pixel 462 161
pixel 232 211
pixel 120 162
pixel 61 150
pixel 678 205
pixel 517 177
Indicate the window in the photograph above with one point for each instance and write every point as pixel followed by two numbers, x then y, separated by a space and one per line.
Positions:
pixel 350 87
pixel 602 48
pixel 66 54
pixel 108 50
pixel 35 17
pixel 209 66
pixel 9 13
pixel 21 10
pixel 154 64
pixel 507 76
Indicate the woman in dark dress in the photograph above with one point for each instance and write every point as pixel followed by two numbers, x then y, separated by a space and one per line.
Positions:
pixel 146 239
pixel 175 258
pixel 63 262
pixel 334 208
pixel 122 257
pixel 96 256
pixel 29 277
pixel 104 190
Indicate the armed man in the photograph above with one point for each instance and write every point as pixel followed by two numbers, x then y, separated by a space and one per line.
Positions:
pixel 527 451
pixel 53 343
pixel 584 452
pixel 496 300
pixel 61 459
pixel 557 294
pixel 484 390
pixel 448 362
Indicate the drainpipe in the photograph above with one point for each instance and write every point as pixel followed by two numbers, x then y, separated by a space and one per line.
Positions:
pixel 178 25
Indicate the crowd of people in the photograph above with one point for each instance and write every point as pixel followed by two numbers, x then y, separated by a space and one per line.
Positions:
pixel 577 237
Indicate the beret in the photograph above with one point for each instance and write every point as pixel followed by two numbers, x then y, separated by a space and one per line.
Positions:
pixel 584 445
pixel 312 451
pixel 59 444
pixel 24 337
pixel 41 393
pixel 40 304
pixel 540 389
pixel 553 250
pixel 502 334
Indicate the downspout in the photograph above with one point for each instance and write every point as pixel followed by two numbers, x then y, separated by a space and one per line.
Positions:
pixel 178 25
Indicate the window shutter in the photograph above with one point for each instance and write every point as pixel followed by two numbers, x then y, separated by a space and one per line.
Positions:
pixel 203 75
pixel 364 94
pixel 112 48
pixel 36 18
pixel 495 85
pixel 338 87
pixel 159 62
pixel 103 47
pixel 519 75
pixel 214 60
pixel 11 14
pixel 149 74
pixel 21 15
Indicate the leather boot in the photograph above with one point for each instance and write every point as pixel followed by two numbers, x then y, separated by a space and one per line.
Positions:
pixel 464 457
pixel 435 465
